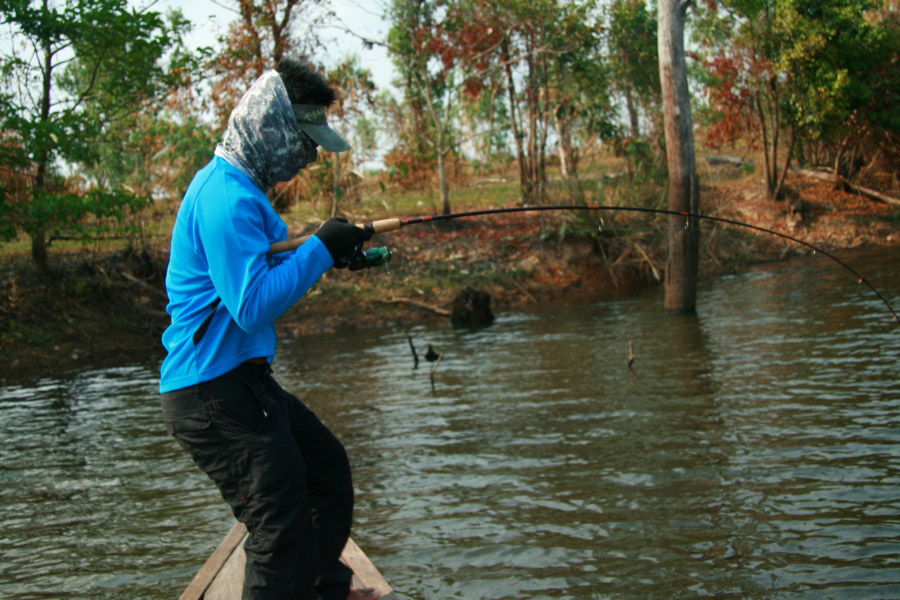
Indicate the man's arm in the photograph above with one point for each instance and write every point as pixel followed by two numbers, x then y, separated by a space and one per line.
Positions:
pixel 235 244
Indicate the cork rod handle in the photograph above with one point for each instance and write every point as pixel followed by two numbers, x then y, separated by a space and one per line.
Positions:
pixel 382 226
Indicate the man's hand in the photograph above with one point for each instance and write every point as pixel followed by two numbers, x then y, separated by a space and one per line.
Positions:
pixel 341 238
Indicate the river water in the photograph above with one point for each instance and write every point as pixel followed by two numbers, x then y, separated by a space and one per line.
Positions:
pixel 753 451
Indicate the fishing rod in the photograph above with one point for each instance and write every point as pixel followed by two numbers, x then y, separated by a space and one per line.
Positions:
pixel 379 256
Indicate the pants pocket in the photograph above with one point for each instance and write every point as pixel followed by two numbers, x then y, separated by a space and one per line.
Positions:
pixel 183 411
pixel 242 404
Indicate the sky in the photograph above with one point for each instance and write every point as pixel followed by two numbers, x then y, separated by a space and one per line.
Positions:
pixel 362 17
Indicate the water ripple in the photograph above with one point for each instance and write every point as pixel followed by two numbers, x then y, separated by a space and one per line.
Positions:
pixel 752 452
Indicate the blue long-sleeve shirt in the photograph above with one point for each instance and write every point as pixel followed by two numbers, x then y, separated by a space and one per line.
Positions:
pixel 222 233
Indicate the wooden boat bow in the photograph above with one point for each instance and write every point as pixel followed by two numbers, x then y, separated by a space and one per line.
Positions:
pixel 222 576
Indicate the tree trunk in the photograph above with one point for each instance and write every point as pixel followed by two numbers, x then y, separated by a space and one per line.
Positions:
pixel 837 164
pixel 531 100
pixel 772 184
pixel 629 105
pixel 684 193
pixel 514 122
pixel 38 234
pixel 442 174
pixel 542 118
pixel 562 133
pixel 568 152
pixel 489 146
pixel 770 147
pixel 763 132
pixel 779 186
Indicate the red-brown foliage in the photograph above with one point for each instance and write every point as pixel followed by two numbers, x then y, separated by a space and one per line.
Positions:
pixel 731 97
pixel 415 172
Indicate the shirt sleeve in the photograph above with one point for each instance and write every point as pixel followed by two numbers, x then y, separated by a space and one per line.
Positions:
pixel 232 236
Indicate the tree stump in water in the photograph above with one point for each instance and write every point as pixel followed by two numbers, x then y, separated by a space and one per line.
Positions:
pixel 472 308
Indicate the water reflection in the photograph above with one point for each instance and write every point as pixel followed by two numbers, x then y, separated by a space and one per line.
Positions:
pixel 752 453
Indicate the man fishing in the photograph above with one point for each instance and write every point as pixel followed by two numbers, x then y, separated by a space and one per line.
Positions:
pixel 279 468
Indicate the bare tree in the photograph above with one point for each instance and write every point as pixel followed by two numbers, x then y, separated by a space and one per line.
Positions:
pixel 684 192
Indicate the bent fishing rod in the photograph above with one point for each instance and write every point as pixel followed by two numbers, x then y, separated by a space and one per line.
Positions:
pixel 379 256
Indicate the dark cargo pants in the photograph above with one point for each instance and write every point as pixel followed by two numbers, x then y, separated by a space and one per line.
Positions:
pixel 285 476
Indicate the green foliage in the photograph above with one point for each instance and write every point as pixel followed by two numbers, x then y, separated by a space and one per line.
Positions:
pixel 632 47
pixel 580 72
pixel 151 154
pixel 487 118
pixel 417 43
pixel 144 147
pixel 837 62
pixel 893 218
pixel 356 96
pixel 365 139
pixel 75 70
pixel 820 68
pixel 645 175
pixel 65 213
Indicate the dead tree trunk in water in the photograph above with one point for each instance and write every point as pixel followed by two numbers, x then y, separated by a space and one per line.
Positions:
pixel 684 191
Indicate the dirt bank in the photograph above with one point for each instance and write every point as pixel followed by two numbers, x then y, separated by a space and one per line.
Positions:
pixel 103 310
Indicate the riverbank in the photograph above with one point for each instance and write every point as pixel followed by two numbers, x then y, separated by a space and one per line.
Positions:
pixel 101 309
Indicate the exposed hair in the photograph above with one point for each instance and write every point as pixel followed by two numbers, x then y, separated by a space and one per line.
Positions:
pixel 304 85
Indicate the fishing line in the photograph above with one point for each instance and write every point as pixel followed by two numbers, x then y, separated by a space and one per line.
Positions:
pixel 386 225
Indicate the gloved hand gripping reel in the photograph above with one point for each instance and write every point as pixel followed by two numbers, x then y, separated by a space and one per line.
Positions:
pixel 372 257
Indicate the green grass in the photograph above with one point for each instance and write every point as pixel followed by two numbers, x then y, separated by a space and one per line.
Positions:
pixel 400 203
pixel 152 228
pixel 481 191
pixel 893 218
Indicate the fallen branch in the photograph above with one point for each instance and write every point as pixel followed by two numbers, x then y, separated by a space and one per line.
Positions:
pixel 609 267
pixel 522 288
pixel 851 186
pixel 435 309
pixel 413 348
pixel 727 160
pixel 646 256
pixel 434 368
pixel 621 258
pixel 143 284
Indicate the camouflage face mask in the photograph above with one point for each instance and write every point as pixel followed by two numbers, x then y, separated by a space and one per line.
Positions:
pixel 309 150
pixel 263 134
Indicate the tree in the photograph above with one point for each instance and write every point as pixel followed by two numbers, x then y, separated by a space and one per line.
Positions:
pixel 579 82
pixel 356 91
pixel 745 89
pixel 264 32
pixel 152 154
pixel 155 151
pixel 819 71
pixel 75 67
pixel 838 61
pixel 527 32
pixel 486 119
pixel 757 49
pixel 684 186
pixel 633 53
pixel 549 57
pixel 421 44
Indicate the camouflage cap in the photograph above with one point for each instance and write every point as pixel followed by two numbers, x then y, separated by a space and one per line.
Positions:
pixel 311 120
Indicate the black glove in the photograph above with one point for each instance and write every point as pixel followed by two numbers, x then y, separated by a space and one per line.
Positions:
pixel 341 238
